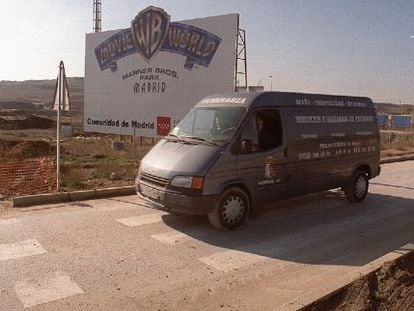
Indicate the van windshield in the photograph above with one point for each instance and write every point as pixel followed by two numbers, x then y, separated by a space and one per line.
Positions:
pixel 210 124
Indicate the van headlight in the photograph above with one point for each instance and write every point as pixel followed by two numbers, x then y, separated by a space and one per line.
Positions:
pixel 190 182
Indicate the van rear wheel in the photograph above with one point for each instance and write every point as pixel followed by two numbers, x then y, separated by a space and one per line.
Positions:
pixel 357 190
pixel 231 210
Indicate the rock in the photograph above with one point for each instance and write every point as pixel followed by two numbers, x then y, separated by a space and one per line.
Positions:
pixel 99 156
pixel 118 145
pixel 114 176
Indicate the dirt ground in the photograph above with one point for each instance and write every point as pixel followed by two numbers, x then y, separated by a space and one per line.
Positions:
pixel 390 288
pixel 24 149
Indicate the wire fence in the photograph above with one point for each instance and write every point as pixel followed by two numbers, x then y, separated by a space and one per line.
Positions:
pixel 29 176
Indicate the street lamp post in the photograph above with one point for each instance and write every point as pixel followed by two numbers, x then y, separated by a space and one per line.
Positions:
pixel 402 108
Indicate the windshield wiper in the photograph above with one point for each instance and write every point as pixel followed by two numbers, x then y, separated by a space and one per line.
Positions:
pixel 173 135
pixel 202 139
pixel 180 138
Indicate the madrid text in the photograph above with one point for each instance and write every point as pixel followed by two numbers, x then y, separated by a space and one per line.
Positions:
pixel 150 80
pixel 118 123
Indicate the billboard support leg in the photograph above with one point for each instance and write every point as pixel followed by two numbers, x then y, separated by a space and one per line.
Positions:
pixel 241 60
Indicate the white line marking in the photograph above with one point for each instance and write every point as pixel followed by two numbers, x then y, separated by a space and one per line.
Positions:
pixel 20 250
pixel 170 238
pixel 9 221
pixel 141 220
pixel 176 237
pixel 32 294
pixel 230 260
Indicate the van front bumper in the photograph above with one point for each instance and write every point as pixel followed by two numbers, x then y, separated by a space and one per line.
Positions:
pixel 175 202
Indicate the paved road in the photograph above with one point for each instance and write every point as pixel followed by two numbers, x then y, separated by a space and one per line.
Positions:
pixel 115 254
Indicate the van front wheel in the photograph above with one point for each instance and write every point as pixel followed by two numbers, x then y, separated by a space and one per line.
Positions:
pixel 357 190
pixel 231 210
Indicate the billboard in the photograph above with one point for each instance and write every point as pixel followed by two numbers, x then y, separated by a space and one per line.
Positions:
pixel 143 79
pixel 401 122
pixel 382 120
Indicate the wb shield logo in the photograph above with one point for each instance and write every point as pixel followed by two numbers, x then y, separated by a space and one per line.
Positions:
pixel 149 29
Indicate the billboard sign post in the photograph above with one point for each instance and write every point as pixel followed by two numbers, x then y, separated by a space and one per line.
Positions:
pixel 142 80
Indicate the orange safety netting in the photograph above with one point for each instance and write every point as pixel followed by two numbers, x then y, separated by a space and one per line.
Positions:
pixel 28 176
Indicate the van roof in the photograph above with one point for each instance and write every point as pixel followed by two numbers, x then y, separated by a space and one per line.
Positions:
pixel 285 99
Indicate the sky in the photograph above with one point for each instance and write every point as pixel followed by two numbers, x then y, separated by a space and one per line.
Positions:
pixel 352 47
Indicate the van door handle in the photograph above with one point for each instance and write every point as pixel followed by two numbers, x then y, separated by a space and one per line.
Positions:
pixel 285 152
pixel 287 178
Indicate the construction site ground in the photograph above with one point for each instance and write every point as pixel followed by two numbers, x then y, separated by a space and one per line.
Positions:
pixel 390 287
pixel 91 162
pixel 119 254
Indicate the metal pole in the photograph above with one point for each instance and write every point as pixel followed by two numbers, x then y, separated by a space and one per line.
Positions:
pixel 271 84
pixel 245 59
pixel 58 127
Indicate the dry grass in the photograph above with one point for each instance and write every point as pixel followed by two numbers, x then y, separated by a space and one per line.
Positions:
pixel 24 135
pixel 95 147
pixel 89 163
pixel 393 140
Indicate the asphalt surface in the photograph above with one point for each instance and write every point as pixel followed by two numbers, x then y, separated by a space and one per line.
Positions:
pixel 118 254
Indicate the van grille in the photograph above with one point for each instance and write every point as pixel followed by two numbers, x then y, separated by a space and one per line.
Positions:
pixel 156 180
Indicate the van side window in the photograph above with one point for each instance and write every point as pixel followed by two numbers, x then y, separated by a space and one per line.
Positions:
pixel 262 132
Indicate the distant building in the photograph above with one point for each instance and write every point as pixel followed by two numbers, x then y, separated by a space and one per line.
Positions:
pixel 257 88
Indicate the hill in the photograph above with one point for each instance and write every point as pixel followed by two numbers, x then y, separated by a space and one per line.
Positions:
pixel 388 108
pixel 38 94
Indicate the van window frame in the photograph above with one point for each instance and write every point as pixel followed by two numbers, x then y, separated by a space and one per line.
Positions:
pixel 237 145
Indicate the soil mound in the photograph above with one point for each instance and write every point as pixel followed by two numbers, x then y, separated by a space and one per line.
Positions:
pixel 389 288
pixel 29 149
pixel 25 122
pixel 6 145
